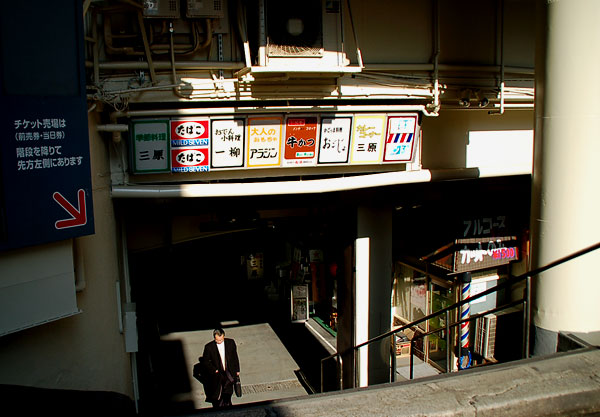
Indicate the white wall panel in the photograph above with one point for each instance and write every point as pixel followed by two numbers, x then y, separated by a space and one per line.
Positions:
pixel 37 285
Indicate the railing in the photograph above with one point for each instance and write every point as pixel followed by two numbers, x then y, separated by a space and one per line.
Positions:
pixel 525 301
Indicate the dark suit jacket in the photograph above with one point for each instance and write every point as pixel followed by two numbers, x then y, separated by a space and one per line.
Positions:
pixel 212 363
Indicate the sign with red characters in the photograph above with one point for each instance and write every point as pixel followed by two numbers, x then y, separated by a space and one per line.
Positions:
pixel 190 140
pixel 189 159
pixel 189 132
pixel 300 144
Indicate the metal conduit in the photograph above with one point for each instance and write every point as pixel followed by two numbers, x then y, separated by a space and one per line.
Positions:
pixel 162 65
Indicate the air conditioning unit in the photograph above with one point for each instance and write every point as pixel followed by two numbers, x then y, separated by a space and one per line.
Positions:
pixel 205 8
pixel 485 336
pixel 305 36
pixel 165 9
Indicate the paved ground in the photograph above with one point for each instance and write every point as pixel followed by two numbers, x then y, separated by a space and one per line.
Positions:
pixel 267 370
pixel 420 369
pixel 564 384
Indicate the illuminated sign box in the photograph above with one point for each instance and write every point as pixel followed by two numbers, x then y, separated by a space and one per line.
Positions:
pixel 400 138
pixel 334 144
pixel 300 142
pixel 477 253
pixel 272 141
pixel 264 141
pixel 367 138
pixel 190 139
pixel 228 143
pixel 150 146
pixel 189 159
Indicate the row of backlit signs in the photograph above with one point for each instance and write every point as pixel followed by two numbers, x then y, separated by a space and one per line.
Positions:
pixel 203 144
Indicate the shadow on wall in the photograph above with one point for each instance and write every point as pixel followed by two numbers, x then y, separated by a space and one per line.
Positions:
pixel 447 141
pixel 29 401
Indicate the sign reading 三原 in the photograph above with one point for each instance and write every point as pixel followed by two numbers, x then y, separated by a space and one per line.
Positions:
pixel 264 141
pixel 227 149
pixel 367 137
pixel 400 138
pixel 300 144
pixel 150 146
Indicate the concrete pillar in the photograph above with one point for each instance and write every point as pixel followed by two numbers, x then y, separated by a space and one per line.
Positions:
pixel 375 224
pixel 566 192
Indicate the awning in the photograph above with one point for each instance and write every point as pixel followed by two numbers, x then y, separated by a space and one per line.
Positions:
pixel 346 183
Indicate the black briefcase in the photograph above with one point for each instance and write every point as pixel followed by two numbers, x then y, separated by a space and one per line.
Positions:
pixel 197 371
pixel 237 387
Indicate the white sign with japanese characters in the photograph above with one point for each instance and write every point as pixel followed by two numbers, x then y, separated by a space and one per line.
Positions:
pixel 367 138
pixel 227 143
pixel 264 141
pixel 335 140
pixel 400 138
pixel 151 146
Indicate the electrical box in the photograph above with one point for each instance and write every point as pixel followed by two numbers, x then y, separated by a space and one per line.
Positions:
pixel 205 8
pixel 165 9
pixel 305 36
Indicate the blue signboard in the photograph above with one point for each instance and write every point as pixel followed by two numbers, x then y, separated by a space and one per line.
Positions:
pixel 45 158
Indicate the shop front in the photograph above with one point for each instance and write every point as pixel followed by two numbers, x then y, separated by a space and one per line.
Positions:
pixel 472 251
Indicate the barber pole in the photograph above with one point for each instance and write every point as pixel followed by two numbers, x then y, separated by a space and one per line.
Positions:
pixel 465 312
pixel 464 359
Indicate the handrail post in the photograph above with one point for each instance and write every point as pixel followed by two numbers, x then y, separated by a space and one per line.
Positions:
pixel 356 370
pixel 341 368
pixel 412 345
pixel 448 348
pixel 393 359
pixel 322 378
pixel 526 317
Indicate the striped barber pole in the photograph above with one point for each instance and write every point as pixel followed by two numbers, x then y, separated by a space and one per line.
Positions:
pixel 400 137
pixel 465 312
pixel 464 359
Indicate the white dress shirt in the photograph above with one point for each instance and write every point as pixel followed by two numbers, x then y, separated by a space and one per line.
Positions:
pixel 221 347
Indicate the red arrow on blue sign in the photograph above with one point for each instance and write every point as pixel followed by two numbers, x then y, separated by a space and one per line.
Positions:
pixel 78 215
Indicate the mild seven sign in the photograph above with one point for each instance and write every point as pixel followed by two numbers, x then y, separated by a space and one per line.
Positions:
pixel 189 145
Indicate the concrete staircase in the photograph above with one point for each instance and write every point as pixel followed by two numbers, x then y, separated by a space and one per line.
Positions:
pixel 563 384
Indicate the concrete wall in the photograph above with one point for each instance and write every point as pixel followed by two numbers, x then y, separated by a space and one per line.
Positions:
pixel 85 351
pixel 446 137
pixel 375 223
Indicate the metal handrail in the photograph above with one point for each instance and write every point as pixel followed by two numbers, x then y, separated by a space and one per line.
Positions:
pixel 526 300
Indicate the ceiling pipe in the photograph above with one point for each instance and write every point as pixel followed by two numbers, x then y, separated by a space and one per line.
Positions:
pixel 501 24
pixel 112 128
pixel 449 68
pixel 436 79
pixel 361 65
pixel 163 65
pixel 115 128
pixel 258 109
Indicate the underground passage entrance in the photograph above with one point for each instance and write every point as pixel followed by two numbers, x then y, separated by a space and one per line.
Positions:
pixel 195 266
pixel 199 263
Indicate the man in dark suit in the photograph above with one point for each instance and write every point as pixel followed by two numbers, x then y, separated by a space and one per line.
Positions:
pixel 222 367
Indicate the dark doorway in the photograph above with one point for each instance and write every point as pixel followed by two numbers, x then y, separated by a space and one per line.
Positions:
pixel 238 269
